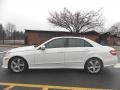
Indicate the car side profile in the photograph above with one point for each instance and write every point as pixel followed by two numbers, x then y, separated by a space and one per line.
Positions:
pixel 61 52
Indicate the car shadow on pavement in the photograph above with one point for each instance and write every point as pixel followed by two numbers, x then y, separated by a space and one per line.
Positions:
pixel 105 72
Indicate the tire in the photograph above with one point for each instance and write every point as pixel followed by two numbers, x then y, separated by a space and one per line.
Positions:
pixel 94 66
pixel 17 65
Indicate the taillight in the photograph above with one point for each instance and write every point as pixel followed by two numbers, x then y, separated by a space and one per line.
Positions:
pixel 113 52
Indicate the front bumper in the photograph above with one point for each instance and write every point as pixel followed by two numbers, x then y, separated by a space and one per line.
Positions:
pixel 5 62
pixel 3 66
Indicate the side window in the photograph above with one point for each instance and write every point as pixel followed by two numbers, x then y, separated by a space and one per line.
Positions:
pixel 75 42
pixel 86 44
pixel 57 43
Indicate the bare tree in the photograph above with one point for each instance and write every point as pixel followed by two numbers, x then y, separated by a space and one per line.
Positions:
pixel 115 29
pixel 76 22
pixel 10 28
pixel 2 33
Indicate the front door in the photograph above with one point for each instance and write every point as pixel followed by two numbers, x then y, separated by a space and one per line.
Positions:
pixel 53 55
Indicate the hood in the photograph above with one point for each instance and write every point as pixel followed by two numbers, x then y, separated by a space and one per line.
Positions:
pixel 26 48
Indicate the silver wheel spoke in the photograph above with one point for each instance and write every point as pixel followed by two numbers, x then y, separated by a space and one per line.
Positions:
pixel 13 62
pixel 19 68
pixel 91 62
pixel 97 67
pixel 90 67
pixel 22 64
pixel 15 66
pixel 94 69
pixel 96 63
pixel 18 61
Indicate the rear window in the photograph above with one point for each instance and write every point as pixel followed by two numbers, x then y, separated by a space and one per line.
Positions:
pixel 75 42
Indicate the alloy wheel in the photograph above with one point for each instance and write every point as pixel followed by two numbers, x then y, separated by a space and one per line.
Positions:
pixel 17 65
pixel 94 66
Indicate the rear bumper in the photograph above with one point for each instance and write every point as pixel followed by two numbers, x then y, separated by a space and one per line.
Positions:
pixel 111 62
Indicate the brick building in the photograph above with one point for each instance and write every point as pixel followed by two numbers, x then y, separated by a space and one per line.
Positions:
pixel 35 37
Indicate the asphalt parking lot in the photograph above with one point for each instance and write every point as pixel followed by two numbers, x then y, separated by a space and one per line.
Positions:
pixel 59 79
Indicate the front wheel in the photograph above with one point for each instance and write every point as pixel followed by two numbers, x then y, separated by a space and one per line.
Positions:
pixel 17 65
pixel 94 66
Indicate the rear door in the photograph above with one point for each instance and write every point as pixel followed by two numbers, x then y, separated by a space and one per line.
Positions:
pixel 77 51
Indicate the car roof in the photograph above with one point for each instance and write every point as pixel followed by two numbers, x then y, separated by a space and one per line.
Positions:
pixel 69 37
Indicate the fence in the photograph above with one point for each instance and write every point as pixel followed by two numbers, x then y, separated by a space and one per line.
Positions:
pixel 12 42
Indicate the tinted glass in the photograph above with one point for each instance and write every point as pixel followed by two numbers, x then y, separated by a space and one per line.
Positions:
pixel 74 42
pixel 86 44
pixel 57 43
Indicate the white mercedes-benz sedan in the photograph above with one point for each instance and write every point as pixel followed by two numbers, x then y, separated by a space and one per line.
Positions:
pixel 61 52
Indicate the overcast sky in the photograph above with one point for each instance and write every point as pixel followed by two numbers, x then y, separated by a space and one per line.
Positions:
pixel 33 14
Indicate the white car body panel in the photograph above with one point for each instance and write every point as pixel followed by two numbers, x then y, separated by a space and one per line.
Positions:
pixel 74 57
pixel 50 57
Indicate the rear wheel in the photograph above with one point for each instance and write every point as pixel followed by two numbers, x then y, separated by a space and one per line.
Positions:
pixel 17 64
pixel 94 66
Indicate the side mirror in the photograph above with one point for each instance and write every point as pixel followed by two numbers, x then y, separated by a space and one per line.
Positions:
pixel 42 47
